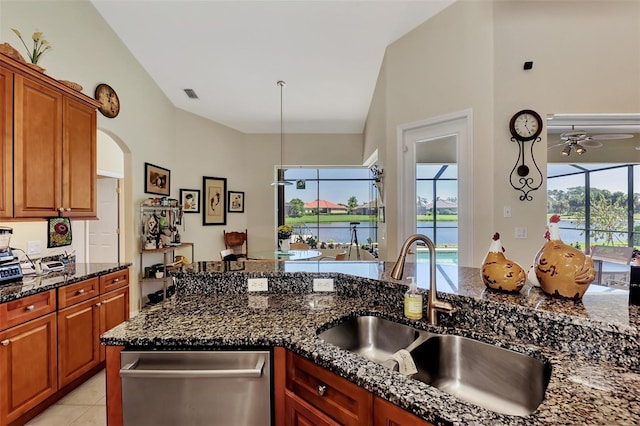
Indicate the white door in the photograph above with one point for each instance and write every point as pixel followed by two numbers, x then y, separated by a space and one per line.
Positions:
pixel 439 130
pixel 103 233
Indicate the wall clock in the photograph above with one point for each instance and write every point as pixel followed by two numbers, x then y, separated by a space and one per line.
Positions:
pixel 525 125
pixel 108 98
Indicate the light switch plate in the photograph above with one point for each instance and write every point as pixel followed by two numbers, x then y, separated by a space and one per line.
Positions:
pixel 323 284
pixel 258 284
pixel 521 232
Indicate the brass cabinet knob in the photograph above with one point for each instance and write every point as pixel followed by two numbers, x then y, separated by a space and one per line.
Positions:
pixel 30 308
pixel 5 342
pixel 322 389
pixel 81 291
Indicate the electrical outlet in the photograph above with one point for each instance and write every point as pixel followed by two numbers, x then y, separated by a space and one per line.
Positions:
pixel 258 284
pixel 34 247
pixel 521 232
pixel 323 284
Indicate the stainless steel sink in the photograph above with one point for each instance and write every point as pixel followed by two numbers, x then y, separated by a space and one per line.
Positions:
pixel 372 337
pixel 495 378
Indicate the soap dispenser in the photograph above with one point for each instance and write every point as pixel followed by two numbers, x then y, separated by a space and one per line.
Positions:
pixel 413 301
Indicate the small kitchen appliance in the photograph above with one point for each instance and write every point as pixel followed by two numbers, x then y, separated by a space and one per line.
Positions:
pixel 10 269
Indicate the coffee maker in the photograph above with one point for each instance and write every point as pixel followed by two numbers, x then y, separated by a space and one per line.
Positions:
pixel 10 269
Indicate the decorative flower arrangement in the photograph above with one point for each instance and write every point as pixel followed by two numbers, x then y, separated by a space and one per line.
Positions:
pixel 284 232
pixel 40 45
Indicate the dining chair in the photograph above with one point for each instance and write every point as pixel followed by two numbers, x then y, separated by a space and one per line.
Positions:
pixel 299 246
pixel 237 241
pixel 341 256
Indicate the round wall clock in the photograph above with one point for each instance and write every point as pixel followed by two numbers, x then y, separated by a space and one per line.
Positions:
pixel 525 125
pixel 108 98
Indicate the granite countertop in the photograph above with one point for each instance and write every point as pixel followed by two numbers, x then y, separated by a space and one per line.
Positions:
pixel 595 376
pixel 74 272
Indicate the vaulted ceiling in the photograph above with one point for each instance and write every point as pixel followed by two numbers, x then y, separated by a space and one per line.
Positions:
pixel 232 53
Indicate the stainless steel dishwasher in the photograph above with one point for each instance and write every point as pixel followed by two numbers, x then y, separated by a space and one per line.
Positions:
pixel 180 388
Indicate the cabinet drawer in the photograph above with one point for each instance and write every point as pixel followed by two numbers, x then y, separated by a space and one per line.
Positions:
pixel 78 292
pixel 26 308
pixel 336 397
pixel 114 280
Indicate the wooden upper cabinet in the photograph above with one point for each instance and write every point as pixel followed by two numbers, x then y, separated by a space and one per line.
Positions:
pixel 79 159
pixel 51 130
pixel 6 143
pixel 37 143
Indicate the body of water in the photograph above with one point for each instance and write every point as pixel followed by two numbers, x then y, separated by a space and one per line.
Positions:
pixel 340 232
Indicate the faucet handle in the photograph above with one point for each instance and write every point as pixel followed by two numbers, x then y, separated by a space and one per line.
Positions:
pixel 443 306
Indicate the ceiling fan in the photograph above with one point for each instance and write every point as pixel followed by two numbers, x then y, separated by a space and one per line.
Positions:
pixel 580 140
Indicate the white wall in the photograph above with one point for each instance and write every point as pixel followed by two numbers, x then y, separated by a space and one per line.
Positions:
pixel 443 66
pixel 150 129
pixel 586 59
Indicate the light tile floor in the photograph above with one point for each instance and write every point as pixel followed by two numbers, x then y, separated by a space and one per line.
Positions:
pixel 85 406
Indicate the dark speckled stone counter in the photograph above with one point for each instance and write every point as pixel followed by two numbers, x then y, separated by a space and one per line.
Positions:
pixel 594 351
pixel 74 272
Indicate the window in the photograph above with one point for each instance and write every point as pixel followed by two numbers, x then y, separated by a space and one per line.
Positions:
pixel 437 209
pixel 336 205
pixel 597 203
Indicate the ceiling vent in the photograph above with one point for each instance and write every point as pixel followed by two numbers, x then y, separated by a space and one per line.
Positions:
pixel 191 94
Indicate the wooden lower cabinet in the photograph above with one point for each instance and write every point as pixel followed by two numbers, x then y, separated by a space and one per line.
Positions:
pixel 29 366
pixel 307 394
pixel 300 413
pixel 78 340
pixel 388 414
pixel 114 310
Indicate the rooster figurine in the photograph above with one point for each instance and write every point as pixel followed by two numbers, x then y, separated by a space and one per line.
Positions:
pixel 561 270
pixel 500 273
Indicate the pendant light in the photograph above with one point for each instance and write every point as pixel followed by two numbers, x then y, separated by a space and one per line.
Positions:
pixel 280 170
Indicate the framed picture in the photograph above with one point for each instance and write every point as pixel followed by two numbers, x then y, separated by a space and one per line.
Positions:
pixel 157 180
pixel 235 202
pixel 59 232
pixel 190 200
pixel 214 197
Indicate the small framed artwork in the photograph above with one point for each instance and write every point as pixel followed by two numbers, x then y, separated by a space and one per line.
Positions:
pixel 190 200
pixel 214 197
pixel 157 180
pixel 235 202
pixel 381 214
pixel 59 232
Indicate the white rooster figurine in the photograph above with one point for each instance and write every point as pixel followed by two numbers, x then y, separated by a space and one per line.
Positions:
pixel 500 273
pixel 561 270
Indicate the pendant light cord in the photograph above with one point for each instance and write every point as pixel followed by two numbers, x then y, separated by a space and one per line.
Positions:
pixel 281 84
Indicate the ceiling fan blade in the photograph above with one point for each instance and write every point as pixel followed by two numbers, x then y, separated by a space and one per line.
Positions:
pixel 556 145
pixel 610 137
pixel 573 135
pixel 590 143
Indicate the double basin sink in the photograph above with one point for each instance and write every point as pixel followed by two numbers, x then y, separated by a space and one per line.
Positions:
pixel 489 376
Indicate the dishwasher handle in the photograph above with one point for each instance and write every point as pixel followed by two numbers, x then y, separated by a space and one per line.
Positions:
pixel 130 371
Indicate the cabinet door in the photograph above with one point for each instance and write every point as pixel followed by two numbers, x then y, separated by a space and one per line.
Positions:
pixel 387 414
pixel 78 340
pixel 334 396
pixel 6 143
pixel 27 366
pixel 37 149
pixel 114 310
pixel 300 413
pixel 79 159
